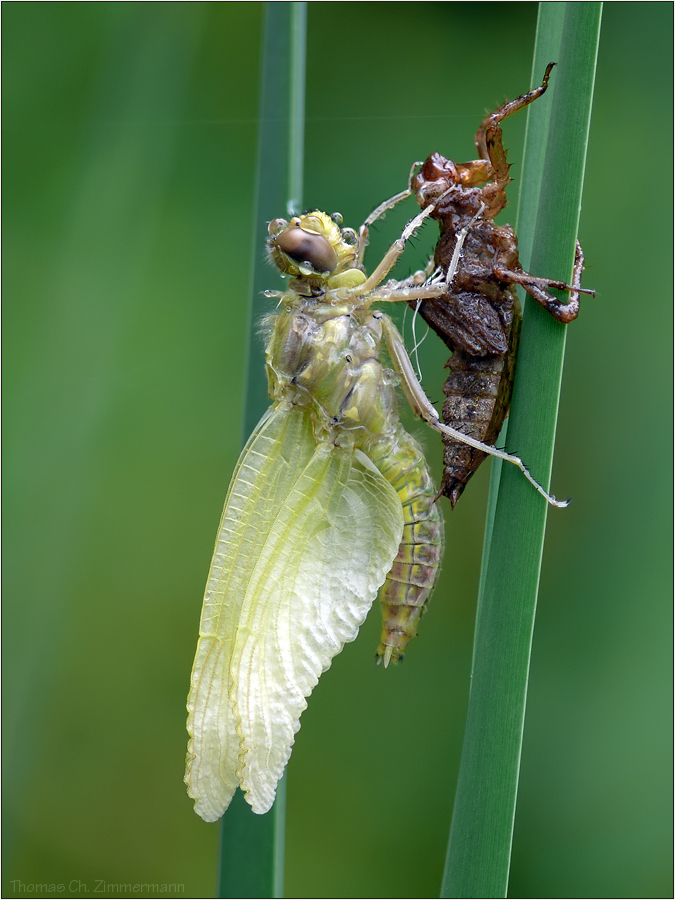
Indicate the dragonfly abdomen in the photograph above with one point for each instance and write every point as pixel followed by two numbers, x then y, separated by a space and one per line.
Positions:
pixel 478 394
pixel 413 574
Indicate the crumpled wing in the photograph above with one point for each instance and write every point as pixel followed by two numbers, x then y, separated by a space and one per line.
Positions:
pixel 308 535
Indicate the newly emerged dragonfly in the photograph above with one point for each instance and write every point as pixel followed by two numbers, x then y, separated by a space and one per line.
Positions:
pixel 331 504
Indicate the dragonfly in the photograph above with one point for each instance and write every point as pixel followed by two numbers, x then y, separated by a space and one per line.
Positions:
pixel 330 506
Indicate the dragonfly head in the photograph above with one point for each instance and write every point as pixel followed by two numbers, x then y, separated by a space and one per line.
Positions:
pixel 311 246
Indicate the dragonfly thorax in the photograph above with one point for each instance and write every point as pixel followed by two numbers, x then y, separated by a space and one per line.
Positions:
pixel 328 358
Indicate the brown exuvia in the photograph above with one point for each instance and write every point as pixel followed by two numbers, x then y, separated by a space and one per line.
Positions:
pixel 479 316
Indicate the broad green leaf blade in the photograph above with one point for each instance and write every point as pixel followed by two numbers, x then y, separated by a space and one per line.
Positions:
pixel 482 828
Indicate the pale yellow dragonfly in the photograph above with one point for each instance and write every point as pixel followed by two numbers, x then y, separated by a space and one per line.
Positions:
pixel 331 504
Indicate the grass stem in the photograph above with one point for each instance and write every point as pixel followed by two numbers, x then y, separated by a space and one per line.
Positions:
pixel 251 862
pixel 481 834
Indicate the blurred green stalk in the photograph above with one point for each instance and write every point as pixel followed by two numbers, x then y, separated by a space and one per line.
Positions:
pixel 251 860
pixel 481 834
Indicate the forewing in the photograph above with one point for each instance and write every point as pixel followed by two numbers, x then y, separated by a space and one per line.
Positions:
pixel 281 445
pixel 308 535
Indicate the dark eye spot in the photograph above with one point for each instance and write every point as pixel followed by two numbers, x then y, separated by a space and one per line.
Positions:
pixel 307 247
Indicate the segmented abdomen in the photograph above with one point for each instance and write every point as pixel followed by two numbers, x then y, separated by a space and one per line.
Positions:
pixel 413 574
pixel 480 381
pixel 478 395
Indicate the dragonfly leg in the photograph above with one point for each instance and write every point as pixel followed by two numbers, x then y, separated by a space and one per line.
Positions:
pixel 392 255
pixel 489 136
pixel 394 252
pixel 419 288
pixel 536 288
pixel 422 406
pixel 381 211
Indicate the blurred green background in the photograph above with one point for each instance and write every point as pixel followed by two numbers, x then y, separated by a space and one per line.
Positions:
pixel 129 146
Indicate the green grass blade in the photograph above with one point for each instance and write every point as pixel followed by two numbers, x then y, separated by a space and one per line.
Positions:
pixel 547 49
pixel 279 171
pixel 251 860
pixel 482 829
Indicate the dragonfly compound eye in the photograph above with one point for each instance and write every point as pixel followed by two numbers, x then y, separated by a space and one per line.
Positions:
pixel 307 247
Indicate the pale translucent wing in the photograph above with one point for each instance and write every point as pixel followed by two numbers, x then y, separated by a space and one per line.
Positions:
pixel 307 537
pixel 279 448
pixel 324 561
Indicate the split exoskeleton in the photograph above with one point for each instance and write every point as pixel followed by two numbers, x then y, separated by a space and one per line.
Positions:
pixel 479 316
